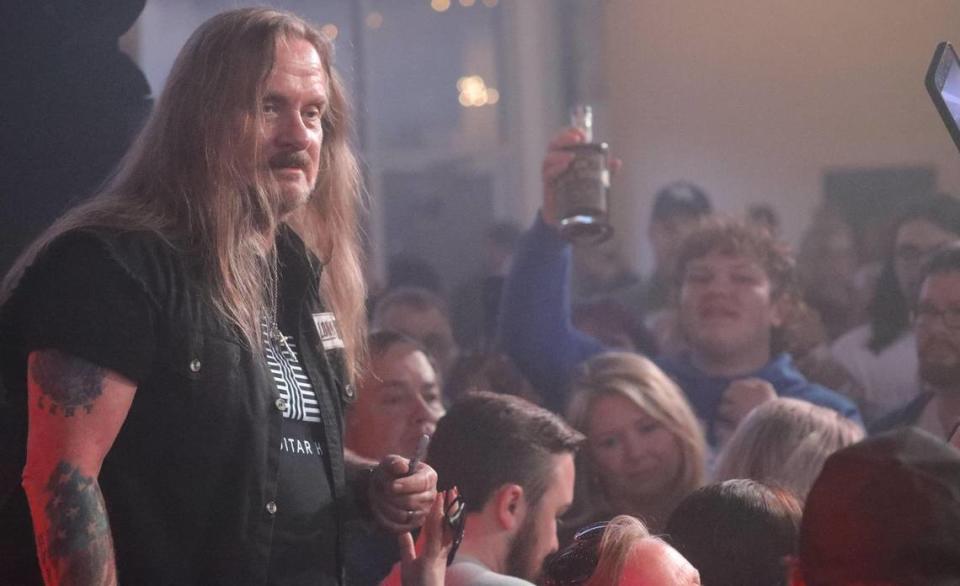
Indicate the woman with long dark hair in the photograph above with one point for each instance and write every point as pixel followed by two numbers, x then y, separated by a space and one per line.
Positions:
pixel 881 354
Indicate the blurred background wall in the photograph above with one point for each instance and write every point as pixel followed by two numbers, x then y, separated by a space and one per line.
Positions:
pixel 755 100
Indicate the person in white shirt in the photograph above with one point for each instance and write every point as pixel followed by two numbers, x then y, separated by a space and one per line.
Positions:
pixel 880 355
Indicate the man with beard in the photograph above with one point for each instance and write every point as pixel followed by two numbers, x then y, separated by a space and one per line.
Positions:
pixel 178 351
pixel 937 325
pixel 512 463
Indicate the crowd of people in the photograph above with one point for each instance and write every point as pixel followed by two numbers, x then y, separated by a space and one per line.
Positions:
pixel 195 397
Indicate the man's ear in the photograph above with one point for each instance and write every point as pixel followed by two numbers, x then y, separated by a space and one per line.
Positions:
pixel 510 506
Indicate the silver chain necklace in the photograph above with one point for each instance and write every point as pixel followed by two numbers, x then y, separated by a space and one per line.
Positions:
pixel 276 336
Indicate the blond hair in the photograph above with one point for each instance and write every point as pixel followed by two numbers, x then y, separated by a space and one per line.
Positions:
pixel 620 538
pixel 187 178
pixel 785 442
pixel 640 381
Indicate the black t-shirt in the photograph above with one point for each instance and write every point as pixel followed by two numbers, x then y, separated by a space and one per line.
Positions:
pixel 303 472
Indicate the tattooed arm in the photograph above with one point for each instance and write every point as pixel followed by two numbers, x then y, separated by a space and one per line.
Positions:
pixel 76 409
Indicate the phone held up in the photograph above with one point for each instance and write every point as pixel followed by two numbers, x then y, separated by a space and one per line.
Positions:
pixel 943 85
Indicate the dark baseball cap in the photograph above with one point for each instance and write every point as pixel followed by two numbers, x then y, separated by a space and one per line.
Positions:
pixel 680 198
pixel 886 509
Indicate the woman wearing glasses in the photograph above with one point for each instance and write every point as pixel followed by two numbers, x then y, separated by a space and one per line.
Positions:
pixel 645 449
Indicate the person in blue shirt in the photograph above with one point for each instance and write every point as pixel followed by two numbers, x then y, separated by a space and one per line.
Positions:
pixel 735 291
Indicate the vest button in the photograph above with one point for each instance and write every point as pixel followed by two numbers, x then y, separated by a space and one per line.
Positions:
pixel 281 405
pixel 272 508
pixel 195 365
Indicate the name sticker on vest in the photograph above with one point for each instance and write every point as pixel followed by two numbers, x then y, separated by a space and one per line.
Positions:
pixel 327 328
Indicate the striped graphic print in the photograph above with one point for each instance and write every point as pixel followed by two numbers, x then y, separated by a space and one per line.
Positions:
pixel 291 381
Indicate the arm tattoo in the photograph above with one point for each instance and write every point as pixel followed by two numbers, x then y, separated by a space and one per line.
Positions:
pixel 77 547
pixel 66 382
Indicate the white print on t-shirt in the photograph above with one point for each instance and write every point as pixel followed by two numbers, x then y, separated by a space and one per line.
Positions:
pixel 292 383
pixel 327 328
pixel 297 446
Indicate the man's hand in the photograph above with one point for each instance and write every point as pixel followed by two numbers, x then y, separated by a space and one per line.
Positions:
pixel 400 501
pixel 425 564
pixel 739 399
pixel 555 163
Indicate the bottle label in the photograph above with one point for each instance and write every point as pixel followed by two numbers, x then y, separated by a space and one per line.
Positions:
pixel 582 188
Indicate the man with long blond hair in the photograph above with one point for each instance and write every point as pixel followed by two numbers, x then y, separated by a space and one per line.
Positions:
pixel 178 351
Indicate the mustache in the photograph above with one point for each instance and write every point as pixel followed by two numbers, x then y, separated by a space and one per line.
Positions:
pixel 287 160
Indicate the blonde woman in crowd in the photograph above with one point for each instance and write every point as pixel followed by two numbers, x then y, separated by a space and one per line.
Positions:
pixel 785 442
pixel 645 449
pixel 619 553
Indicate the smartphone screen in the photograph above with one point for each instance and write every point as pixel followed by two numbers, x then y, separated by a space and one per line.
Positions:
pixel 943 85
